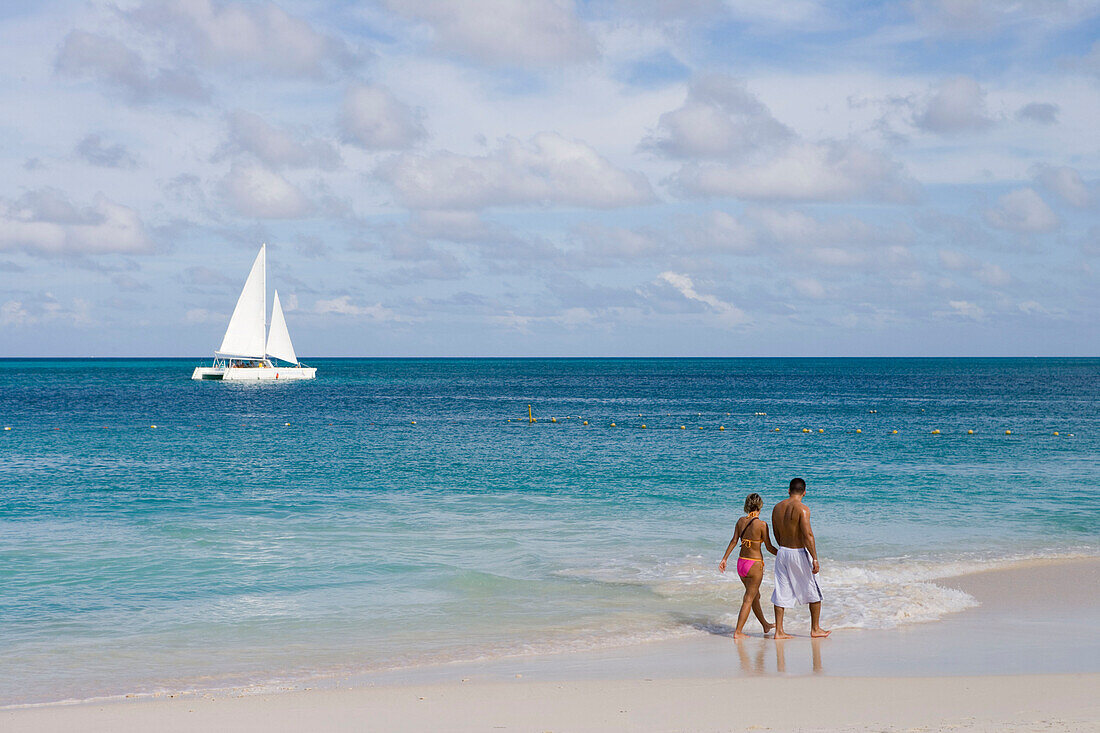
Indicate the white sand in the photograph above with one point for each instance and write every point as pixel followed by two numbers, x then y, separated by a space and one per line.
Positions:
pixel 1040 616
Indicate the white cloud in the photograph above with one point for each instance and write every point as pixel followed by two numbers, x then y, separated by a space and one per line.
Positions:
pixel 831 171
pixel 255 191
pixel 343 306
pixel 956 105
pixel 549 169
pixel 1022 210
pixel 966 309
pixel 735 147
pixel 277 148
pixel 86 55
pixel 202 315
pixel 718 231
pixel 13 313
pixel 44 308
pixel 809 287
pixel 248 37
pixel 993 275
pixel 46 222
pixel 684 285
pixel 373 118
pixel 522 32
pixel 1064 181
pixel 719 118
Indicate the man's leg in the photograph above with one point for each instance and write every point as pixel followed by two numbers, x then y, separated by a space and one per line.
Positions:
pixel 815 621
pixel 779 633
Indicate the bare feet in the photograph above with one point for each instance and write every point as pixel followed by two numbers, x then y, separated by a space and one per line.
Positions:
pixel 781 635
pixel 739 635
pixel 768 628
pixel 819 633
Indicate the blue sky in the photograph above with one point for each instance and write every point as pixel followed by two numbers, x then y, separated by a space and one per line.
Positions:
pixel 545 177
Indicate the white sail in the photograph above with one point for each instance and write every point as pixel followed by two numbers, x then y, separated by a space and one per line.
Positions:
pixel 278 337
pixel 245 335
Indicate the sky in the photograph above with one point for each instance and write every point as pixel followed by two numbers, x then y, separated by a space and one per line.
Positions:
pixel 553 178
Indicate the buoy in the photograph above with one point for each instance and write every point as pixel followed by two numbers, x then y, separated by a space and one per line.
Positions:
pixel 727 414
pixel 414 422
pixel 553 419
pixel 612 424
pixel 700 427
pixel 683 427
pixel 969 432
pixel 721 427
pixel 777 430
pixel 821 430
pixel 7 427
pixel 1055 432
pixel 509 420
pixel 858 430
pixel 643 425
pixel 936 432
pixel 585 422
pixel 805 430
pixel 1071 435
pixel 699 414
pixel 1008 432
pixel 152 426
pixel 894 433
pixel 286 425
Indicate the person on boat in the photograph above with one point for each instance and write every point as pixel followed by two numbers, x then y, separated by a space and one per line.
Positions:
pixel 753 532
pixel 796 565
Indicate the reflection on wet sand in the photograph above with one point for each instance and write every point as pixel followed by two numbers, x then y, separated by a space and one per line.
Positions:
pixel 754 655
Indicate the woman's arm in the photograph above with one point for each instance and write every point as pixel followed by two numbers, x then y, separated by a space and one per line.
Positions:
pixel 768 540
pixel 729 548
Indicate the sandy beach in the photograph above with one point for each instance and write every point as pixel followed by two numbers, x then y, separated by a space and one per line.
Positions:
pixel 1027 659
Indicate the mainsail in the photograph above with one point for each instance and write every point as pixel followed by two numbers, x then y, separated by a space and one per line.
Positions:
pixel 278 338
pixel 245 335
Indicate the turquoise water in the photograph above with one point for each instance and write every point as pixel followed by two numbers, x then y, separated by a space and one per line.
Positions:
pixel 224 547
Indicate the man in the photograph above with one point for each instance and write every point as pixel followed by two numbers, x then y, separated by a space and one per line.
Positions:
pixel 796 562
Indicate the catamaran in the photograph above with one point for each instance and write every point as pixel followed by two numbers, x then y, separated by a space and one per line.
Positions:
pixel 247 353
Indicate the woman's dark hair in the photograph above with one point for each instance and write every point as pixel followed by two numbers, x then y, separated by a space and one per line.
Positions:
pixel 753 503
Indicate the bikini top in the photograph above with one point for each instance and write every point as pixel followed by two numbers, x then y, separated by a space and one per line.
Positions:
pixel 745 542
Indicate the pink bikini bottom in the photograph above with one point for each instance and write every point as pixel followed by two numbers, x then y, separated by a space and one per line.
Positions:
pixel 744 565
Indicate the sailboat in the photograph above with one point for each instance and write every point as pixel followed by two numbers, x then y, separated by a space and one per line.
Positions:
pixel 248 353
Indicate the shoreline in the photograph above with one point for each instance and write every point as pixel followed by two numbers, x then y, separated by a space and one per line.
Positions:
pixel 1017 641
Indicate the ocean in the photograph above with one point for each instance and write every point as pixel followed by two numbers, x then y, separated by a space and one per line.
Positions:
pixel 403 512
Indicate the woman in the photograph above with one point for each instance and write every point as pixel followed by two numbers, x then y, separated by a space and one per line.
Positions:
pixel 752 531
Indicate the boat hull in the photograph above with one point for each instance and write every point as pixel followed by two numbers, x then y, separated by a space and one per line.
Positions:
pixel 253 374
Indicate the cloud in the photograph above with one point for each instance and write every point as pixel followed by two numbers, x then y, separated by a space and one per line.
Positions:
pixel 255 37
pixel 728 312
pixel 1024 211
pixel 46 222
pixel 93 150
pixel 343 306
pixel 277 148
pixel 956 105
pixel 526 33
pixel 256 191
pixel 548 169
pixel 372 118
pixel 808 287
pixel 966 309
pixel 734 147
pixel 44 308
pixel 805 171
pixel 719 118
pixel 1044 113
pixel 86 55
pixel 1065 182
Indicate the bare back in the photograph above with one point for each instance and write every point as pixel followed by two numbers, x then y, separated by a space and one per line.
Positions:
pixel 791 523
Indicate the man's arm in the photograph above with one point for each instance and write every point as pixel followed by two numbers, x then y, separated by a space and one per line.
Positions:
pixel 808 536
pixel 768 540
pixel 775 523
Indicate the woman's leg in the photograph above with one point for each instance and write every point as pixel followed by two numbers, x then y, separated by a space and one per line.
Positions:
pixel 759 612
pixel 752 590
